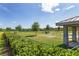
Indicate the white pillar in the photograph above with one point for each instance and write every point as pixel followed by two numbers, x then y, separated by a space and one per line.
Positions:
pixel 74 38
pixel 65 35
pixel 78 34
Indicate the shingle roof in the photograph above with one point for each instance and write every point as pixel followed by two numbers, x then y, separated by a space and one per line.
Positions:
pixel 69 21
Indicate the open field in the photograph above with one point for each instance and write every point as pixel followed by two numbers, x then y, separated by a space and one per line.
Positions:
pixel 53 38
pixel 39 44
pixel 36 44
pixel 39 29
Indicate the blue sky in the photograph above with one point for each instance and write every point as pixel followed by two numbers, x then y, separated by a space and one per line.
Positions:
pixel 13 14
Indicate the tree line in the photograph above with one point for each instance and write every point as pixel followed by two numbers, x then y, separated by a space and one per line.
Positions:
pixel 35 27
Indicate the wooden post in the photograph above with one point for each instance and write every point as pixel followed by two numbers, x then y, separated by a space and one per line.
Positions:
pixel 65 35
pixel 74 38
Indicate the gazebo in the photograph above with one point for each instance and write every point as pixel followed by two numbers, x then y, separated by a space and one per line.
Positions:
pixel 74 24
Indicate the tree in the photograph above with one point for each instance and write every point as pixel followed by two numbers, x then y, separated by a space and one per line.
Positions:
pixel 47 29
pixel 18 28
pixel 59 28
pixel 8 29
pixel 1 29
pixel 35 26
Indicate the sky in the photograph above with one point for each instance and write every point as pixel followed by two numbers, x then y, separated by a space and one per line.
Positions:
pixel 25 14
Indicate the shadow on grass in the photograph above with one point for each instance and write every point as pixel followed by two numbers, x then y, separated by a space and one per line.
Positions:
pixel 64 46
pixel 31 35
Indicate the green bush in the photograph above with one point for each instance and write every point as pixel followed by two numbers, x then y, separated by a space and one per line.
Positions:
pixel 23 46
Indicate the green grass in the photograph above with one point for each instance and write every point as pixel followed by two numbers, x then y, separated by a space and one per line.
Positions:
pixel 40 44
pixel 2 44
pixel 53 38
pixel 30 44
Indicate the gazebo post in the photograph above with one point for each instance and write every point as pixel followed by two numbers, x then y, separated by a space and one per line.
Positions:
pixel 78 34
pixel 74 38
pixel 65 36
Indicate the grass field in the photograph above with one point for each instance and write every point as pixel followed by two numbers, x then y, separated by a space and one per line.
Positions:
pixel 39 44
pixel 34 41
pixel 53 38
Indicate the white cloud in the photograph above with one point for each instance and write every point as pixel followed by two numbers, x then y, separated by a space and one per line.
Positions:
pixel 49 7
pixel 57 9
pixel 72 6
pixel 4 8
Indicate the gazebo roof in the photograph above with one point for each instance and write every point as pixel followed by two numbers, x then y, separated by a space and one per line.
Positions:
pixel 69 21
